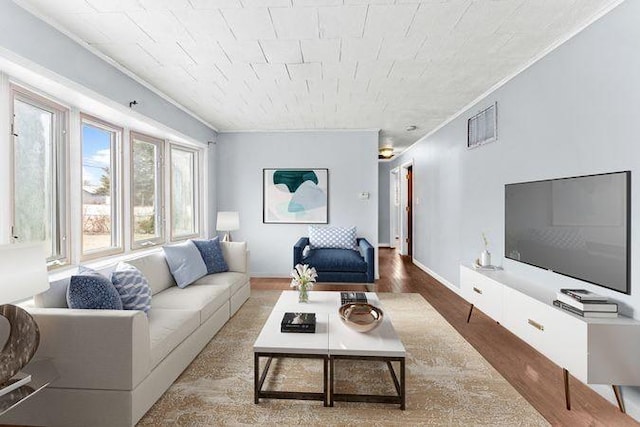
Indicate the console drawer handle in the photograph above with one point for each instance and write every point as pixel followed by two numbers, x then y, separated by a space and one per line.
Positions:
pixel 536 325
pixel 476 290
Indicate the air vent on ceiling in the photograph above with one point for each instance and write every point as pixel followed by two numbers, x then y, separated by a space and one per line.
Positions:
pixel 483 127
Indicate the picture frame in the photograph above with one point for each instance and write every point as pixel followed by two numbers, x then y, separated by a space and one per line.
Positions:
pixel 295 196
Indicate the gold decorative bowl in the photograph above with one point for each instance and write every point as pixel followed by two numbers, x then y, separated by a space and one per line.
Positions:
pixel 361 317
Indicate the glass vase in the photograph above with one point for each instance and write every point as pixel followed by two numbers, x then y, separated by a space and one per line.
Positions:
pixel 303 293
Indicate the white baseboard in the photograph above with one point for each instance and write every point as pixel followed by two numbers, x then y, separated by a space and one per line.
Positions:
pixel 436 276
pixel 384 245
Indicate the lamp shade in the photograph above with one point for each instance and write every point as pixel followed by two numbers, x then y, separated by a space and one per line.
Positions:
pixel 23 271
pixel 228 221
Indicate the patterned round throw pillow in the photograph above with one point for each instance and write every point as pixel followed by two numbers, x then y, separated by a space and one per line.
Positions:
pixel 92 290
pixel 132 286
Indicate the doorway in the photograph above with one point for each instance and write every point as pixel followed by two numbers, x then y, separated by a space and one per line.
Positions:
pixel 394 209
pixel 409 236
pixel 405 209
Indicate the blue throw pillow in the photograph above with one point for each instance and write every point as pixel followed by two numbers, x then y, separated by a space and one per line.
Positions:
pixel 212 255
pixel 92 290
pixel 185 263
pixel 132 286
pixel 333 237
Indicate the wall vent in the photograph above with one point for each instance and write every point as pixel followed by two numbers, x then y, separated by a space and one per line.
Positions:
pixel 483 127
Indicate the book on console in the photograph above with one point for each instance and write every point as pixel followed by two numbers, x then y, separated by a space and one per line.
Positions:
pixel 352 297
pixel 584 295
pixel 298 322
pixel 586 314
pixel 587 305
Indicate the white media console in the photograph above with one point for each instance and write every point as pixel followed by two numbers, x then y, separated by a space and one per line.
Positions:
pixel 594 350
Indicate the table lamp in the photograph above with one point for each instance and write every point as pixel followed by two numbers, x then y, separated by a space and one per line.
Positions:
pixel 23 273
pixel 227 222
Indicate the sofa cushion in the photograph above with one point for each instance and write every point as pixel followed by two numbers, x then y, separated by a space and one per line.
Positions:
pixel 235 254
pixel 185 263
pixel 91 290
pixel 204 298
pixel 55 296
pixel 336 260
pixel 234 280
pixel 332 237
pixel 132 286
pixel 167 329
pixel 212 255
pixel 155 268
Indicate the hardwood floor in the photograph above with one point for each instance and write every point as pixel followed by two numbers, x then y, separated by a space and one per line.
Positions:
pixel 534 376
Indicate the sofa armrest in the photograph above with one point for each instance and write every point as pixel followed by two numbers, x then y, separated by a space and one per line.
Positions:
pixel 369 257
pixel 94 349
pixel 298 250
pixel 236 256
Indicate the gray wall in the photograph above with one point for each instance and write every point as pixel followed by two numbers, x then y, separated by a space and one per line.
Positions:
pixel 350 156
pixel 33 39
pixel 574 112
pixel 384 234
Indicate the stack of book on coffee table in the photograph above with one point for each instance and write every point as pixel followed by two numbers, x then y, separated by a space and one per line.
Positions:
pixel 585 303
pixel 298 322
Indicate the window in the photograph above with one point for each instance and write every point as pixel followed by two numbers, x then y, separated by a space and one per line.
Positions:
pixel 39 173
pixel 101 218
pixel 184 193
pixel 146 194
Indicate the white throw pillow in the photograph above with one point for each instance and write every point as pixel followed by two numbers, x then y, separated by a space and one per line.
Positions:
pixel 185 263
pixel 332 237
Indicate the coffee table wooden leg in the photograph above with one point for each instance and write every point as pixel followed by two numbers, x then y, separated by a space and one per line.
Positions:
pixel 325 380
pixel 331 384
pixel 403 386
pixel 256 375
pixel 396 383
pixel 258 378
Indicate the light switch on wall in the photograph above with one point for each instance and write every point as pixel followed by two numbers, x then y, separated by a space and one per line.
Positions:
pixel 364 195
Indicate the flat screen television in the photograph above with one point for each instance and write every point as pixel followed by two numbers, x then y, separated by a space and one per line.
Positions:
pixel 579 227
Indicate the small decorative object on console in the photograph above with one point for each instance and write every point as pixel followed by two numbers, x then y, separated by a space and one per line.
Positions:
pixel 298 322
pixel 485 256
pixel 361 317
pixel 303 278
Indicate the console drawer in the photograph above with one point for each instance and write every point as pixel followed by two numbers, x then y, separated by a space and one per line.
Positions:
pixel 559 336
pixel 484 293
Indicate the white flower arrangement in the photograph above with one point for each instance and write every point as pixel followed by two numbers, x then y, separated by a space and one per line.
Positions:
pixel 303 277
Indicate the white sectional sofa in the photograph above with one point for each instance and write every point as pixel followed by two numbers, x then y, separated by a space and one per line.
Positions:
pixel 113 365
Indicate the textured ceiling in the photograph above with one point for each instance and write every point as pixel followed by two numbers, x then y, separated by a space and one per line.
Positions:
pixel 321 64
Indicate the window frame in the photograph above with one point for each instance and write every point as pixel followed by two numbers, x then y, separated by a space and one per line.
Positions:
pixel 196 192
pixel 161 214
pixel 60 221
pixel 117 188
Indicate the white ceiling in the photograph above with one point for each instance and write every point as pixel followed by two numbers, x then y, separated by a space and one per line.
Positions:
pixel 322 64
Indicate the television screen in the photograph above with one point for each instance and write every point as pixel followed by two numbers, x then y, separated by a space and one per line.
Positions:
pixel 578 227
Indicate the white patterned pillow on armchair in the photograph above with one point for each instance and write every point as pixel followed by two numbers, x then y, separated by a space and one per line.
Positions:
pixel 332 237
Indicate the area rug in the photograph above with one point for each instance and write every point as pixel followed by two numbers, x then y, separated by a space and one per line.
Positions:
pixel 448 381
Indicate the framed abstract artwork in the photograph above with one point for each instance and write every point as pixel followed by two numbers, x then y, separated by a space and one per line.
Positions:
pixel 295 196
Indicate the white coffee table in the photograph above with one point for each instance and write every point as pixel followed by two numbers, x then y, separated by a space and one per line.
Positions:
pixel 332 341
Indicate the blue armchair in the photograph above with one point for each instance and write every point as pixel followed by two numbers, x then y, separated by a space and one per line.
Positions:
pixel 338 265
